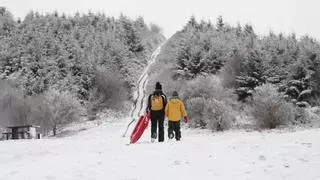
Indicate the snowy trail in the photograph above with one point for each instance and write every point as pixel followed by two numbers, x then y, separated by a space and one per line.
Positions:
pixel 139 95
pixel 142 83
pixel 99 153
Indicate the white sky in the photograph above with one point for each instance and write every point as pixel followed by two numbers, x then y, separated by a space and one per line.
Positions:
pixel 299 16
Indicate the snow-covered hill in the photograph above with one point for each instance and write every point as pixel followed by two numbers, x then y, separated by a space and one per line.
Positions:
pixel 101 153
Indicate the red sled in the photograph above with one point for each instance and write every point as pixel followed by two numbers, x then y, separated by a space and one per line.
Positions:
pixel 138 130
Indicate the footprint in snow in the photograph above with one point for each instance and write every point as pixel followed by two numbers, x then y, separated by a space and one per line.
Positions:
pixel 286 165
pixel 262 158
pixel 308 145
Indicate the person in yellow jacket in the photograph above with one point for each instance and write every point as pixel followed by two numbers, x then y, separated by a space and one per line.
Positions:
pixel 175 110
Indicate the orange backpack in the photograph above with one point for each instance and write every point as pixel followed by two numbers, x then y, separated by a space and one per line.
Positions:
pixel 156 103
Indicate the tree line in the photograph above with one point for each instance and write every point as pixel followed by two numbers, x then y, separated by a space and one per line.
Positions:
pixel 93 58
pixel 248 60
pixel 222 70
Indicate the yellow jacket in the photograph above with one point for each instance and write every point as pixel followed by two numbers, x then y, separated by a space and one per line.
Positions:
pixel 175 109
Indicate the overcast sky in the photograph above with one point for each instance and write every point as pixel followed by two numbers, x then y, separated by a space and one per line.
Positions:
pixel 299 16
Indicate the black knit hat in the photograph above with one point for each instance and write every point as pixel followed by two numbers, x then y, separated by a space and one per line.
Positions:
pixel 175 93
pixel 158 86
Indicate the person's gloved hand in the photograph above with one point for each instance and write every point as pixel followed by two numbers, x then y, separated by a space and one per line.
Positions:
pixel 186 119
pixel 149 114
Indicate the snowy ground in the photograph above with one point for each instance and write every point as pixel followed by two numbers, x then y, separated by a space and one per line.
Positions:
pixel 101 153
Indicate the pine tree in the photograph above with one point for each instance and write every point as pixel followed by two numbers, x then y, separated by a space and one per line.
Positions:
pixel 192 24
pixel 131 35
pixel 7 23
pixel 220 23
pixel 248 29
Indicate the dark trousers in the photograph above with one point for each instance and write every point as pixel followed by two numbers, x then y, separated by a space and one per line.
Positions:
pixel 157 119
pixel 174 127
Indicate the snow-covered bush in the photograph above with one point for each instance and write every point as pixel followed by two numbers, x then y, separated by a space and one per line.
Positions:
pixel 307 116
pixel 207 87
pixel 316 110
pixel 18 110
pixel 270 109
pixel 219 117
pixel 302 116
pixel 62 109
pixel 195 108
pixel 50 111
pixel 208 104
pixel 210 113
pixel 14 109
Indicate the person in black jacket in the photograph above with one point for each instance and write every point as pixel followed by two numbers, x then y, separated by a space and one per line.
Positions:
pixel 156 104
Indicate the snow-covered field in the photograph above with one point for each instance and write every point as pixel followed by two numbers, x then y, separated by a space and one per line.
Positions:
pixel 101 153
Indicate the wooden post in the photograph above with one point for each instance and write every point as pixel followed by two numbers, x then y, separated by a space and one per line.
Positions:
pixel 54 130
pixel 15 134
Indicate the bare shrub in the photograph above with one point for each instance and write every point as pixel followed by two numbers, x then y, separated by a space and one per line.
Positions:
pixel 195 108
pixel 314 117
pixel 40 113
pixel 50 111
pixel 219 117
pixel 316 110
pixel 301 116
pixel 108 91
pixel 207 87
pixel 14 110
pixel 63 108
pixel 270 109
pixel 306 116
pixel 210 113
